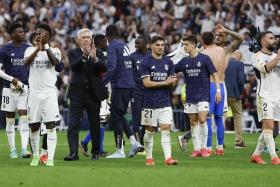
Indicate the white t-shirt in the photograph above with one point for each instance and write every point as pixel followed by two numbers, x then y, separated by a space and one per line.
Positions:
pixel 268 82
pixel 42 74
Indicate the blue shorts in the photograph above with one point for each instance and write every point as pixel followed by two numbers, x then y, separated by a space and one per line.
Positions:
pixel 216 108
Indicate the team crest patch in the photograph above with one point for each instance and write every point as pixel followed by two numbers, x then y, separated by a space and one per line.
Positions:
pixel 198 64
pixel 166 67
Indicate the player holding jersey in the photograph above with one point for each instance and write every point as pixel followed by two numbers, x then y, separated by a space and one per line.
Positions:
pixel 266 65
pixel 42 98
pixel 197 70
pixel 158 75
pixel 14 96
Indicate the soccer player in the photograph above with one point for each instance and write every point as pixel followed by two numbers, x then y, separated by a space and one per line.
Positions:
pixel 218 57
pixel 197 70
pixel 42 98
pixel 221 36
pixel 43 131
pixel 121 77
pixel 266 65
pixel 158 75
pixel 141 43
pixel 14 96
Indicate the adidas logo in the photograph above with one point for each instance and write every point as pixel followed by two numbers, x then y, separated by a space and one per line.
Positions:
pixel 13 54
pixel 153 67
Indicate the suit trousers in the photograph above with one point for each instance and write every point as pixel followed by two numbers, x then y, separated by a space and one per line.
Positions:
pixel 236 107
pixel 87 102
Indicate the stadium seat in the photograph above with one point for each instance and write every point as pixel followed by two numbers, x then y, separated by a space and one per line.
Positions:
pixel 248 123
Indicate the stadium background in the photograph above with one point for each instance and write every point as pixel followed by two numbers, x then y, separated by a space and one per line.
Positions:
pixel 134 17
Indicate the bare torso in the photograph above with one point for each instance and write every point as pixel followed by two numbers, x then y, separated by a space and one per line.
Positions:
pixel 218 57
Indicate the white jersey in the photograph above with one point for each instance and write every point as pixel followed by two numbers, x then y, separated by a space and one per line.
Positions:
pixel 268 82
pixel 177 55
pixel 42 74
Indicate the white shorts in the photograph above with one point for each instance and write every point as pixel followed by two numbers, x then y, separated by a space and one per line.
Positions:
pixel 268 109
pixel 13 100
pixel 153 117
pixel 42 107
pixel 191 108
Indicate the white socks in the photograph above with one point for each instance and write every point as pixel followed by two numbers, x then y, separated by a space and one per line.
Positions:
pixel 51 142
pixel 133 140
pixel 269 141
pixel 35 141
pixel 166 143
pixel 148 144
pixel 24 131
pixel 10 130
pixel 204 134
pixel 260 145
pixel 196 137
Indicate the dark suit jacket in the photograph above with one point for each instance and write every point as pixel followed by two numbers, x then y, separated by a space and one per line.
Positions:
pixel 86 74
pixel 234 78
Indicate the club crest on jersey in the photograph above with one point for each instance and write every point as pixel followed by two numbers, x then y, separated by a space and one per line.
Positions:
pixel 198 64
pixel 187 65
pixel 166 67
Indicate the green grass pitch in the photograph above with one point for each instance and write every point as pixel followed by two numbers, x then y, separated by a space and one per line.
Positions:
pixel 232 169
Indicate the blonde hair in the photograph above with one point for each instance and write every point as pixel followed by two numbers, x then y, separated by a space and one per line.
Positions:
pixel 83 31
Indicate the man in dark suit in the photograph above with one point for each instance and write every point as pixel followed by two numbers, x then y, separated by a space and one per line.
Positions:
pixel 86 91
pixel 234 79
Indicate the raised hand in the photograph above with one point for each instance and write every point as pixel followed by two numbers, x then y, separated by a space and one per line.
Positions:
pixel 44 39
pixel 220 29
pixel 93 52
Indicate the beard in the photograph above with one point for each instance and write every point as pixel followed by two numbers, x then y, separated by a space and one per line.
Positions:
pixel 271 48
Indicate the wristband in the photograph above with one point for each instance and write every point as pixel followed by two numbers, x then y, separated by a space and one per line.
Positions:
pixel 46 46
pixel 218 90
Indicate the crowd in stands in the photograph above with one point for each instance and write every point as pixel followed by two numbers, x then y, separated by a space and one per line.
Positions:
pixel 170 18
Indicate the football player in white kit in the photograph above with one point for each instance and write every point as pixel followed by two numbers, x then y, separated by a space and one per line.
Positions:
pixel 266 65
pixel 42 98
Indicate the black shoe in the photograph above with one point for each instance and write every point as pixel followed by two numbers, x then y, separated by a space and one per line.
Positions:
pixel 95 156
pixel 103 154
pixel 239 145
pixel 71 157
pixel 84 149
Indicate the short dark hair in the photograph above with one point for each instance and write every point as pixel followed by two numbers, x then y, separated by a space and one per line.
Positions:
pixel 191 38
pixel 98 38
pixel 207 38
pixel 154 39
pixel 13 27
pixel 144 38
pixel 45 27
pixel 262 35
pixel 112 31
